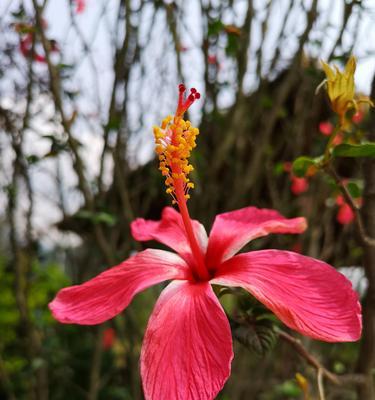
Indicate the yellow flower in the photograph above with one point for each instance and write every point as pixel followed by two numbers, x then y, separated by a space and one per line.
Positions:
pixel 340 88
pixel 304 385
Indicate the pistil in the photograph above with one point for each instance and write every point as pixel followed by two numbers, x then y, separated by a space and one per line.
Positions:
pixel 174 141
pixel 200 268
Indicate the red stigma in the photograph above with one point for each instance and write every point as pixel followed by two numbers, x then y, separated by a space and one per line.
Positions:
pixel 184 104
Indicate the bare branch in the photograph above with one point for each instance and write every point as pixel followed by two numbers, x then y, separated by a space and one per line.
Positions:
pixel 311 360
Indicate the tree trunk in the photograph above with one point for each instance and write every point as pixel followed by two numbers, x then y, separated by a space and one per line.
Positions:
pixel 366 361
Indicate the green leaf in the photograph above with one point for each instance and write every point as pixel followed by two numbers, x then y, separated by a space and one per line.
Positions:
pixel 32 159
pixel 63 66
pixel 215 27
pixel 266 102
pixel 257 336
pixel 20 13
pixel 232 45
pixel 114 123
pixel 66 70
pixel 72 94
pixel 282 112
pixel 289 389
pixel 339 367
pixel 354 150
pixel 278 169
pixel 37 363
pixel 354 190
pixel 106 218
pixel 301 165
pixel 24 28
pixel 97 217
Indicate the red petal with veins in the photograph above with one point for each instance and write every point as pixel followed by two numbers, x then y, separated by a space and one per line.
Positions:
pixel 308 295
pixel 233 230
pixel 106 295
pixel 187 349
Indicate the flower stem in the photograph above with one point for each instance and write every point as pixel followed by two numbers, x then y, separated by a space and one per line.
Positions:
pixel 327 154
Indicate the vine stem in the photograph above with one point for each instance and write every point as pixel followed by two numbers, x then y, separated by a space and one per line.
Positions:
pixel 330 142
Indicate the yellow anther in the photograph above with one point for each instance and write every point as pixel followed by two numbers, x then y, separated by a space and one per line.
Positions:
pixel 166 121
pixel 188 168
pixel 159 149
pixel 171 148
pixel 174 141
pixel 182 124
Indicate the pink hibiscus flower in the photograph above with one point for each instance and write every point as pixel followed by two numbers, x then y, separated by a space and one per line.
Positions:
pixel 187 349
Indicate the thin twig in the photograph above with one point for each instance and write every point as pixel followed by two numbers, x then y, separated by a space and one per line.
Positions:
pixel 347 379
pixel 312 360
pixel 320 384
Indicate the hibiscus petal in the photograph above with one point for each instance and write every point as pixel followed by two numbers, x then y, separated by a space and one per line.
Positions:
pixel 106 295
pixel 308 295
pixel 170 231
pixel 233 230
pixel 187 349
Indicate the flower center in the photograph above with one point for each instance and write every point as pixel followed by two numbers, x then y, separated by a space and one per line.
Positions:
pixel 174 141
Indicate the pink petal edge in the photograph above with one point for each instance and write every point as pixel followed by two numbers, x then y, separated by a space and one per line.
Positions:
pixel 106 295
pixel 170 231
pixel 308 295
pixel 233 230
pixel 187 349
